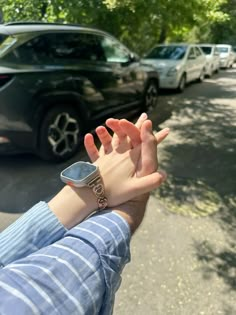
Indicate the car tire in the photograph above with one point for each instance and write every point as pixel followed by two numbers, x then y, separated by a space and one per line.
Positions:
pixel 211 72
pixel 151 95
pixel 182 83
pixel 59 134
pixel 202 76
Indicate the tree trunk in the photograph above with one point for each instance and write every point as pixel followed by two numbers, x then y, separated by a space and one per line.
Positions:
pixel 163 34
pixel 44 9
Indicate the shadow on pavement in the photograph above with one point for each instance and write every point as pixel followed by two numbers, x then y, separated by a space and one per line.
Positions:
pixel 201 159
pixel 26 180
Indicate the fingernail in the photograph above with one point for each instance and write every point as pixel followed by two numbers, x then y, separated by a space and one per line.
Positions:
pixel 149 125
pixel 164 175
pixel 143 116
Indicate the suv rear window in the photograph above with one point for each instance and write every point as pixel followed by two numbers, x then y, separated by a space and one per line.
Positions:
pixel 58 48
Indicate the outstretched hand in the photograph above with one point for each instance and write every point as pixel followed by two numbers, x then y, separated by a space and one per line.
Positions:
pixel 128 160
pixel 126 136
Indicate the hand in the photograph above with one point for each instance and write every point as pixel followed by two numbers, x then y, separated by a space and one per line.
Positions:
pixel 71 205
pixel 133 210
pixel 121 165
pixel 127 136
pixel 109 143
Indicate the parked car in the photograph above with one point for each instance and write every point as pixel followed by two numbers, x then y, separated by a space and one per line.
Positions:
pixel 213 58
pixel 226 55
pixel 234 50
pixel 177 64
pixel 59 81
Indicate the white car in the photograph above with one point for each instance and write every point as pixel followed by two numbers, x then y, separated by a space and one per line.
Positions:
pixel 226 55
pixel 213 58
pixel 177 64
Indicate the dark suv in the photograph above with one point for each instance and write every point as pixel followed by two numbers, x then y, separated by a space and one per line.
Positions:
pixel 58 81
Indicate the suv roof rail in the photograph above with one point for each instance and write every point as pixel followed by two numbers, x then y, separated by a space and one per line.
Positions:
pixel 40 23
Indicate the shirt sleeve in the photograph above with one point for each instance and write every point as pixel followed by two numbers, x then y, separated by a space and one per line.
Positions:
pixel 78 274
pixel 36 228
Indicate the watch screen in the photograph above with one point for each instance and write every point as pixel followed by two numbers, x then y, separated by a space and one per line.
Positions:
pixel 79 171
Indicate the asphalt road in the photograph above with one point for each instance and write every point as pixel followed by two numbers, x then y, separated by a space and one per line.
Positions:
pixel 184 255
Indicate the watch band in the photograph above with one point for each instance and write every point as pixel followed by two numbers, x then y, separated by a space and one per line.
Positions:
pixel 97 187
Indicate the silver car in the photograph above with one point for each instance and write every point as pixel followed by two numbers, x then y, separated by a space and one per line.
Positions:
pixel 213 58
pixel 226 55
pixel 177 64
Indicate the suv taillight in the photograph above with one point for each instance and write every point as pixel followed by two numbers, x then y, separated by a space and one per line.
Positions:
pixel 4 78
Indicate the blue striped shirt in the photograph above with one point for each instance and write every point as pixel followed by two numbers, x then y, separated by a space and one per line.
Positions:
pixel 78 273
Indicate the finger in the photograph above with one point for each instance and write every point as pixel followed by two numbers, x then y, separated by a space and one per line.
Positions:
pixel 161 135
pixel 131 131
pixel 140 120
pixel 105 138
pixel 119 136
pixel 149 163
pixel 90 147
pixel 147 183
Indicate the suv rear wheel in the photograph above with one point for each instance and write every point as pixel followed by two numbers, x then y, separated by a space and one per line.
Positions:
pixel 59 133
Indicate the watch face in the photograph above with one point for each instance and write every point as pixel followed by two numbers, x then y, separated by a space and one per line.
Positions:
pixel 79 171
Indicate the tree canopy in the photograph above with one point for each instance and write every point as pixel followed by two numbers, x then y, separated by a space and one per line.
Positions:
pixel 138 23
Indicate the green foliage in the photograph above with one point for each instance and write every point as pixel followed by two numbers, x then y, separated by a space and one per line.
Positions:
pixel 138 23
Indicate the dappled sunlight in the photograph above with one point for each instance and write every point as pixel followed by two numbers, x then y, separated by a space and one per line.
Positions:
pixel 189 197
pixel 200 157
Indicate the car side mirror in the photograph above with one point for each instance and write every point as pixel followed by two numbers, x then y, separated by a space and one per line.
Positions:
pixel 133 57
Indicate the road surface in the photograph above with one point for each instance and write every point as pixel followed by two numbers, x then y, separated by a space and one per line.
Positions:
pixel 184 255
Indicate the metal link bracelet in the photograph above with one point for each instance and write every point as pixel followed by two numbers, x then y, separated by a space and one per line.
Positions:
pixel 98 189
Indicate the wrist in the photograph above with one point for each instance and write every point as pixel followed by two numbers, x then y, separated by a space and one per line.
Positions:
pixel 72 205
pixel 133 211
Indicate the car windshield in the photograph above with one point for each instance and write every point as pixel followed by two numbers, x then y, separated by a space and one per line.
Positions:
pixel 167 52
pixel 206 49
pixel 223 49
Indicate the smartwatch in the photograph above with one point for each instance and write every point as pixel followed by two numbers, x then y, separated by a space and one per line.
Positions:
pixel 82 174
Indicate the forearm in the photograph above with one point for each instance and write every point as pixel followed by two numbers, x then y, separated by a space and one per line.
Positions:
pixel 44 224
pixel 82 270
pixel 37 228
pixel 73 205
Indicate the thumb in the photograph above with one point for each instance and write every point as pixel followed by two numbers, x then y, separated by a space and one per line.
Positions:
pixel 147 183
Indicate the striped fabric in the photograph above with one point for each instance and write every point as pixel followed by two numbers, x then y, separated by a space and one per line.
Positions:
pixel 78 274
pixel 37 228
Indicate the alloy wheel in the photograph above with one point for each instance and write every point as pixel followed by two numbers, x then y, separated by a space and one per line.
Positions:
pixel 63 134
pixel 151 96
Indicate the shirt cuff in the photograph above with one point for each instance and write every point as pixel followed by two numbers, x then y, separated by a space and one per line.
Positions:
pixel 109 234
pixel 36 228
pixel 107 231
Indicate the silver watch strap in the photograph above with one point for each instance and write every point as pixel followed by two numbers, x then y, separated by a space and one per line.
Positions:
pixel 97 187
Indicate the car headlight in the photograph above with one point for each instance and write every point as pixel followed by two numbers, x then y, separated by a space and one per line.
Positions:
pixel 172 71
